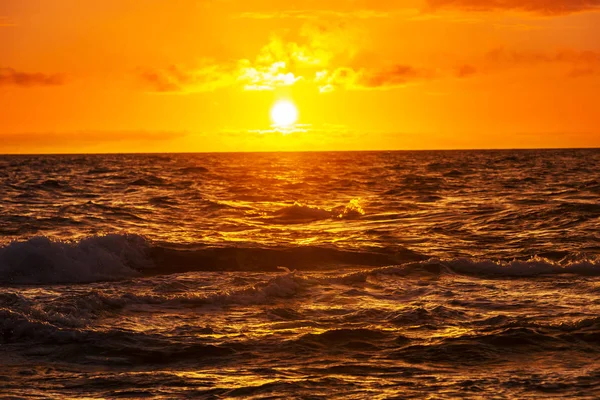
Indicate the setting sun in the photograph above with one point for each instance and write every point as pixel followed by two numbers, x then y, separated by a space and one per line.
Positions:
pixel 284 114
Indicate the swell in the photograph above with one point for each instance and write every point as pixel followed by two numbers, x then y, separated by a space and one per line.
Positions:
pixel 41 260
pixel 112 346
pixel 299 213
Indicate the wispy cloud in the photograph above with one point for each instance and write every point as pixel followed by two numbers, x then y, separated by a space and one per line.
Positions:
pixel 11 77
pixel 277 64
pixel 580 62
pixel 207 76
pixel 42 140
pixel 544 7
pixel 502 55
pixel 6 22
pixel 300 132
pixel 328 58
pixel 399 9
pixel 465 71
pixel 314 14
pixel 324 57
pixel 371 78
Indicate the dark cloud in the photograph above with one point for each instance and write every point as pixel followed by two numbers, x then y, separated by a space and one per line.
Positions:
pixel 583 63
pixel 169 80
pixel 6 22
pixel 465 71
pixel 545 7
pixel 394 76
pixel 529 57
pixel 316 14
pixel 11 142
pixel 179 79
pixel 371 78
pixel 11 77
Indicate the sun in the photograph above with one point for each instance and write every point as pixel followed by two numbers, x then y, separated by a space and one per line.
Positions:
pixel 284 113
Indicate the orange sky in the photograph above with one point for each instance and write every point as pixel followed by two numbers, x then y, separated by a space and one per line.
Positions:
pixel 202 75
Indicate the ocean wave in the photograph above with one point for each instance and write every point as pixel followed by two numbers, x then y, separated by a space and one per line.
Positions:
pixel 99 258
pixel 41 260
pixel 67 311
pixel 112 346
pixel 581 265
pixel 501 337
pixel 149 181
pixel 71 313
pixel 536 266
pixel 302 213
pixel 193 170
pixel 17 327
pixel 354 338
pixel 280 287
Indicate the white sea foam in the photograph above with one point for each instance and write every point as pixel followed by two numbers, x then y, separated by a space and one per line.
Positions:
pixel 298 213
pixel 535 266
pixel 42 260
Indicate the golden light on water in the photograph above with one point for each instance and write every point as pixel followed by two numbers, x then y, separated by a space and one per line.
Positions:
pixel 284 114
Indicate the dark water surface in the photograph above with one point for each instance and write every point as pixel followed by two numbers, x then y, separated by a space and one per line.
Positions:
pixel 309 275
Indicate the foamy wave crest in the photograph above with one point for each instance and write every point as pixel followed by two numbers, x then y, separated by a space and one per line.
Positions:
pixel 15 326
pixel 43 260
pixel 535 266
pixel 300 213
pixel 278 288
pixel 581 265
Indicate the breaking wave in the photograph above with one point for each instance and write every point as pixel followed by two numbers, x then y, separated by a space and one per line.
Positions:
pixel 302 213
pixel 98 258
pixel 41 260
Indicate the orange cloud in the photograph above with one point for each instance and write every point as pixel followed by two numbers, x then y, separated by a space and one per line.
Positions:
pixel 323 56
pixel 207 77
pixel 279 63
pixel 315 14
pixel 465 71
pixel 502 55
pixel 6 22
pixel 370 78
pixel 14 142
pixel 545 7
pixel 9 76
pixel 582 62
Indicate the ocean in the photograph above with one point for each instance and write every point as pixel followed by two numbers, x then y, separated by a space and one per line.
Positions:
pixel 434 274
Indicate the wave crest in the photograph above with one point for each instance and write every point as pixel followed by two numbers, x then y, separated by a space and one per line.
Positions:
pixel 98 258
pixel 302 213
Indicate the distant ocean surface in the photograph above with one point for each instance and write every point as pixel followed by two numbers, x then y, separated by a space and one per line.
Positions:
pixel 458 274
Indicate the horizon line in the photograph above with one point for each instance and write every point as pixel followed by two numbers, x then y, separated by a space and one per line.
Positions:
pixel 306 151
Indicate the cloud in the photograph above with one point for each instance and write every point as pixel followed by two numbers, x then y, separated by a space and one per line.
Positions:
pixel 6 22
pixel 582 62
pixel 370 78
pixel 17 142
pixel 503 56
pixel 465 71
pixel 208 76
pixel 544 7
pixel 330 129
pixel 279 63
pixel 329 58
pixel 315 14
pixel 11 77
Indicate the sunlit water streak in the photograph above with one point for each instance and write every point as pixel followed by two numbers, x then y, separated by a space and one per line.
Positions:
pixel 351 275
